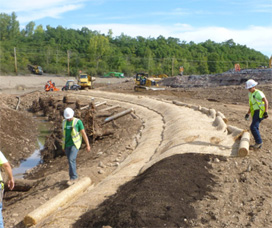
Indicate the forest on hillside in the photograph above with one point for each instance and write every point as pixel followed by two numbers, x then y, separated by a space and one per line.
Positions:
pixel 65 51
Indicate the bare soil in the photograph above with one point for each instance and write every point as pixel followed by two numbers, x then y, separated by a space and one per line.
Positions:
pixel 189 190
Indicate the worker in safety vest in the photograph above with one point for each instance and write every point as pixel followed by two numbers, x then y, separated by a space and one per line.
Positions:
pixel 5 164
pixel 258 108
pixel 73 131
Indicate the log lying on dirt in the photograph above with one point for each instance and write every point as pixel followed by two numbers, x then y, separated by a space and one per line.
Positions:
pixel 59 200
pixel 244 144
pixel 222 116
pixel 220 124
pixel 118 115
pixel 109 108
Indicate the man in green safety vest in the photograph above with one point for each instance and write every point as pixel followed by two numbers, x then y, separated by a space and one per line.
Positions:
pixel 258 108
pixel 73 131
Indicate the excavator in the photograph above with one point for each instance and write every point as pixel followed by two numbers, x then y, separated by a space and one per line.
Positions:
pixel 50 86
pixel 144 82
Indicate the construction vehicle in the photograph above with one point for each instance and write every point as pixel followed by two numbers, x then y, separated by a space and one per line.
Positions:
pixel 35 69
pixel 114 75
pixel 85 81
pixel 144 82
pixel 70 85
pixel 270 62
pixel 50 86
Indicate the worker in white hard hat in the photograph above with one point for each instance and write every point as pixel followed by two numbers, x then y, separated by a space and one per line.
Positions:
pixel 73 131
pixel 258 108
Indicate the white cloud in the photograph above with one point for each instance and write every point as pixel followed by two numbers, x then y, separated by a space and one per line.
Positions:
pixel 30 10
pixel 258 38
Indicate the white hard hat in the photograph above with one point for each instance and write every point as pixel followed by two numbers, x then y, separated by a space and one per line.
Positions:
pixel 68 113
pixel 251 83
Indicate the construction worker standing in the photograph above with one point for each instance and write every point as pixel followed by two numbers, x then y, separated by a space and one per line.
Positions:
pixel 258 107
pixel 73 131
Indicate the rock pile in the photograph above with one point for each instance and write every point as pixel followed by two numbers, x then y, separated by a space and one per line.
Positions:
pixel 225 79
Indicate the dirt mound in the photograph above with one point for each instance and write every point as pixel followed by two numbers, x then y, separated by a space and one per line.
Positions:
pixel 162 196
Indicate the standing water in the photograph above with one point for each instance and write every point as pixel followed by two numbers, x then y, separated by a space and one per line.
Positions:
pixel 35 158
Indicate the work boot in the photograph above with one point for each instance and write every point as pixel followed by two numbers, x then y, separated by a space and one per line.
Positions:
pixel 71 182
pixel 256 146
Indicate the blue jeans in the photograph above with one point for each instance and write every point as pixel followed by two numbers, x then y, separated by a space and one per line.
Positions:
pixel 254 127
pixel 71 153
pixel 1 217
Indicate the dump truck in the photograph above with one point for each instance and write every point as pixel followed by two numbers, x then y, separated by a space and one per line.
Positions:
pixel 35 69
pixel 144 82
pixel 85 81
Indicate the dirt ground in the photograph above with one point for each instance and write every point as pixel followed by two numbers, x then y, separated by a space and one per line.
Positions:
pixel 188 190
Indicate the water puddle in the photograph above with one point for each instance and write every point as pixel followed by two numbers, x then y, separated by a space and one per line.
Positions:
pixel 35 158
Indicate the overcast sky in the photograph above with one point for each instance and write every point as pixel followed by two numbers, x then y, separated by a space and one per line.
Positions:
pixel 247 22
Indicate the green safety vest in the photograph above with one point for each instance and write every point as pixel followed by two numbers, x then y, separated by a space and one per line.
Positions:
pixel 76 136
pixel 256 103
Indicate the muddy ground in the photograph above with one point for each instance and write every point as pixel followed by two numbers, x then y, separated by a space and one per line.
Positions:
pixel 187 190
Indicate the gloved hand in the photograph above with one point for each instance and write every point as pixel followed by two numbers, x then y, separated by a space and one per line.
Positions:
pixel 265 115
pixel 247 116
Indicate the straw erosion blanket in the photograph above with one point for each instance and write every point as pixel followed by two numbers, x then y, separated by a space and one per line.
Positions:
pixel 183 190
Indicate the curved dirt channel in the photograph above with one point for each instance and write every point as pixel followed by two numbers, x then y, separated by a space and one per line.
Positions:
pixel 167 130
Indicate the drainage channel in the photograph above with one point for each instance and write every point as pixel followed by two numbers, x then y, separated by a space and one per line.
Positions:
pixel 35 158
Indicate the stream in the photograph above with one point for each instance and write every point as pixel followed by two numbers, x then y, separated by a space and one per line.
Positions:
pixel 35 158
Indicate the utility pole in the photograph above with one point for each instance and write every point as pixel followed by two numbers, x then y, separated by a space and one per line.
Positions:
pixel 173 66
pixel 15 60
pixel 68 57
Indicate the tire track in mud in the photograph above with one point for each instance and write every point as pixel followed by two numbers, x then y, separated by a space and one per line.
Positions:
pixel 167 130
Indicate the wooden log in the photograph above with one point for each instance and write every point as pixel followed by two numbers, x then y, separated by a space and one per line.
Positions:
pixel 222 116
pixel 234 130
pixel 179 103
pixel 100 103
pixel 118 115
pixel 109 108
pixel 244 144
pixel 220 124
pixel 59 200
pixel 205 110
pixel 212 113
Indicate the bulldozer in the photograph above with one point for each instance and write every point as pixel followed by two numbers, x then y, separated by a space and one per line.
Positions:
pixel 144 82
pixel 35 69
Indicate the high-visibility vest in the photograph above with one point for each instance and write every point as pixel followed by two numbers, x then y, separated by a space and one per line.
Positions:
pixel 76 136
pixel 260 104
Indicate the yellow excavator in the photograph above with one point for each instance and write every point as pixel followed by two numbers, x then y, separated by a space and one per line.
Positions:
pixel 144 82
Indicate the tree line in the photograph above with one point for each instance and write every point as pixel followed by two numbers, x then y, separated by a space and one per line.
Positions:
pixel 67 51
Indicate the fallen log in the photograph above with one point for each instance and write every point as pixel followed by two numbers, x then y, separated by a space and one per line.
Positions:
pixel 109 108
pixel 118 115
pixel 59 200
pixel 244 144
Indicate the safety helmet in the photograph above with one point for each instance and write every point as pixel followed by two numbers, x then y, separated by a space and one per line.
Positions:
pixel 251 83
pixel 68 113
